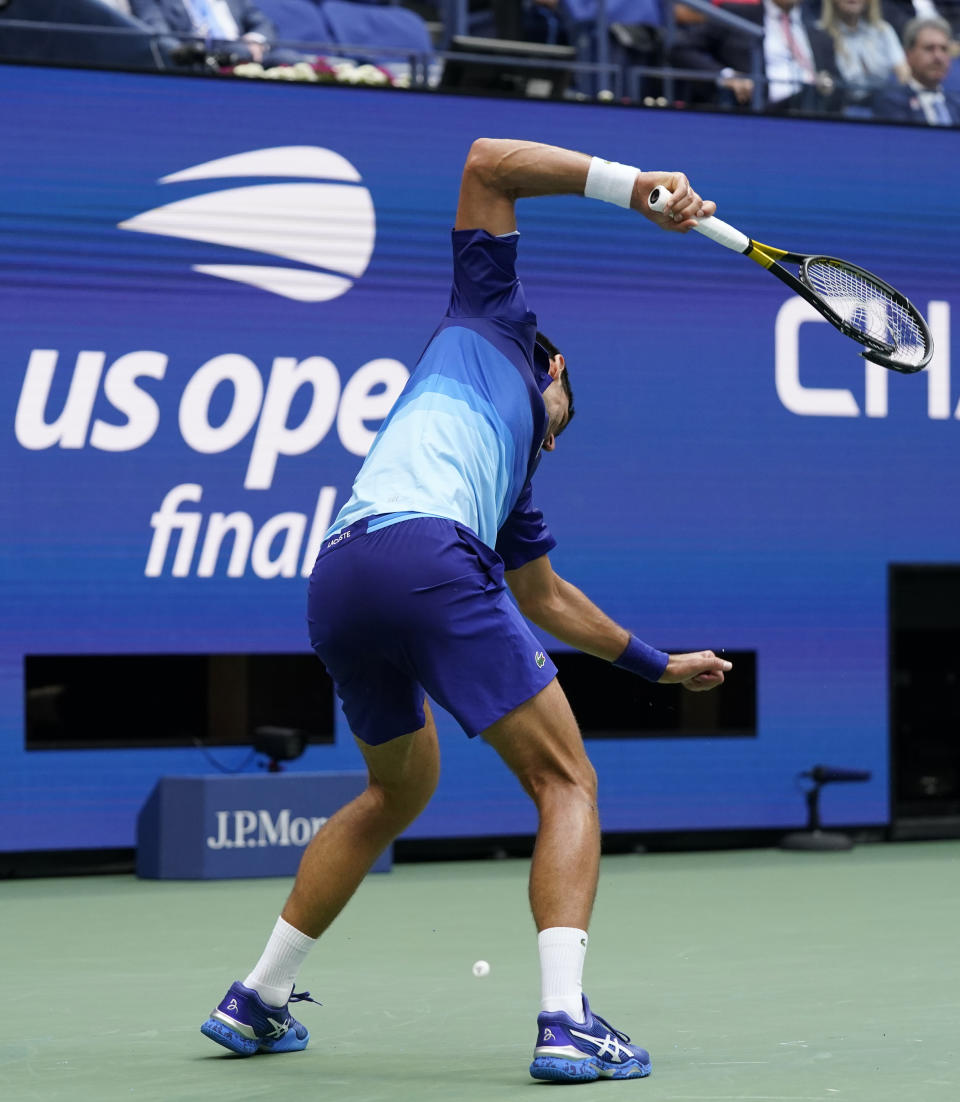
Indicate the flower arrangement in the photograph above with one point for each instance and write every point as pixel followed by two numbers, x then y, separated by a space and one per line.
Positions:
pixel 332 71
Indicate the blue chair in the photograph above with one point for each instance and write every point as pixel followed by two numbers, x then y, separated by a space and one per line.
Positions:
pixel 297 20
pixel 353 24
pixel 114 41
pixel 588 24
pixel 378 25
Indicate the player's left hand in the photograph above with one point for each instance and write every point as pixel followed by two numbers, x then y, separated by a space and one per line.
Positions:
pixel 698 671
pixel 683 210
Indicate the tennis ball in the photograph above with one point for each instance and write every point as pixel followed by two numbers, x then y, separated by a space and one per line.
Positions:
pixel 481 969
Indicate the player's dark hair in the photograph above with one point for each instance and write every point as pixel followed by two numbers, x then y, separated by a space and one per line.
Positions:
pixel 551 350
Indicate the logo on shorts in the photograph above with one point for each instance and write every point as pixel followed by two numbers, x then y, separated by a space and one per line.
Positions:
pixel 540 658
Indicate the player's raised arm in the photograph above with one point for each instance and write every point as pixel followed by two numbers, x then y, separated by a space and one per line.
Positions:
pixel 498 171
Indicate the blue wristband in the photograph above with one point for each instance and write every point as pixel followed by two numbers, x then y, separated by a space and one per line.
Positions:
pixel 642 659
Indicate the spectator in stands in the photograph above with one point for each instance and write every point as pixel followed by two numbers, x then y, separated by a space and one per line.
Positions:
pixel 898 13
pixel 867 48
pixel 234 27
pixel 923 98
pixel 798 57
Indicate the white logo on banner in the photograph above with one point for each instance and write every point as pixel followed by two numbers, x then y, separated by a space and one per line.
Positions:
pixel 329 226
pixel 246 828
pixel 819 401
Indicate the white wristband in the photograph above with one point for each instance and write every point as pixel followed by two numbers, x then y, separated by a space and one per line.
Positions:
pixel 610 181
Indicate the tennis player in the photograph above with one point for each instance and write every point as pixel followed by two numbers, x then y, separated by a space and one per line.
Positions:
pixel 410 597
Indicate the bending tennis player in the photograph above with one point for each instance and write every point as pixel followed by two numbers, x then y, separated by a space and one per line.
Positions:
pixel 409 598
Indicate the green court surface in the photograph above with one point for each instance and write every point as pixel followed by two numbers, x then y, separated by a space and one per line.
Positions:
pixel 760 975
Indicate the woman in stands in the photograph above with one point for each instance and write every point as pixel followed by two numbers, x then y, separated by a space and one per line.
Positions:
pixel 867 48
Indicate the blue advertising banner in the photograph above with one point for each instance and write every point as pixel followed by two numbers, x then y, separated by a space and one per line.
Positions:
pixel 216 827
pixel 211 293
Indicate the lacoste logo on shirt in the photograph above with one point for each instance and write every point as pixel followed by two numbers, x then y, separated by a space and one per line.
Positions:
pixel 540 658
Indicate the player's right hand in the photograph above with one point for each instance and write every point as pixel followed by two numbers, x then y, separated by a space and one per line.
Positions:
pixel 699 671
pixel 683 210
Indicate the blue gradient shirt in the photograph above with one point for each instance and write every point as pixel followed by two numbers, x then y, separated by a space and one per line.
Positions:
pixel 463 439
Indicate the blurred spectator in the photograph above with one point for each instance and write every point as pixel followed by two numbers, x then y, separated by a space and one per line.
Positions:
pixel 798 58
pixel 898 13
pixel 233 29
pixel 85 32
pixel 923 98
pixel 867 48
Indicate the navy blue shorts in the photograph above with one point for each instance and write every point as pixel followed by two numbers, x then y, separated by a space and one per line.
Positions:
pixel 420 606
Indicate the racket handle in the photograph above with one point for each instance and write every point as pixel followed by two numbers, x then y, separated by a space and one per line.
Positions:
pixel 714 228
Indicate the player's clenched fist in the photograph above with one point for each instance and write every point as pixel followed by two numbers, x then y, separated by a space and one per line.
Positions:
pixel 698 671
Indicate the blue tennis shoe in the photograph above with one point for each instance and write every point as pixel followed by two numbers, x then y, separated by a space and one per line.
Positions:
pixel 245 1024
pixel 573 1052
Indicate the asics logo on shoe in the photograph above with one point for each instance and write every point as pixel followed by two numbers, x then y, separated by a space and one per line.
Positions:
pixel 232 1005
pixel 609 1044
pixel 279 1028
pixel 548 1035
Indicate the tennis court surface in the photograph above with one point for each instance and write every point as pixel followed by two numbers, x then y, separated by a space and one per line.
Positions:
pixel 750 975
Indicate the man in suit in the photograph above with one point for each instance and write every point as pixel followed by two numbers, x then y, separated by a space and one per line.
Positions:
pixel 898 13
pixel 237 27
pixel 922 99
pixel 798 58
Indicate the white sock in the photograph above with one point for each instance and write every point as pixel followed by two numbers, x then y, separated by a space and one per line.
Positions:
pixel 562 949
pixel 275 972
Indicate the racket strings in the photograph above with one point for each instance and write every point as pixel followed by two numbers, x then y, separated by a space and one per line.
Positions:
pixel 867 308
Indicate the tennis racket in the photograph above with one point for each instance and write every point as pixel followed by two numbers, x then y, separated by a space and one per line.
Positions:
pixel 858 303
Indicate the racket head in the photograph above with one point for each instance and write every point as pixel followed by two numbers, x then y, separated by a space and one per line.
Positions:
pixel 870 311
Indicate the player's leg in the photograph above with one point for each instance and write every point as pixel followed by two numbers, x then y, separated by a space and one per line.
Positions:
pixel 254 1015
pixel 403 774
pixel 541 743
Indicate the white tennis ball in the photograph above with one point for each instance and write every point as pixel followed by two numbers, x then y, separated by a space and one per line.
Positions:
pixel 481 968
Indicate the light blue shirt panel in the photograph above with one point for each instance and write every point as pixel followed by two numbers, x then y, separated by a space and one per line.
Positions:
pixel 456 443
pixel 481 415
pixel 428 469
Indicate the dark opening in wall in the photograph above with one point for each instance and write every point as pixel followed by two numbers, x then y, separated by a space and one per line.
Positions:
pixel 611 703
pixel 75 701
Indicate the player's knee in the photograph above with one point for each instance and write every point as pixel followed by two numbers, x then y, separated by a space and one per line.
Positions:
pixel 404 797
pixel 563 779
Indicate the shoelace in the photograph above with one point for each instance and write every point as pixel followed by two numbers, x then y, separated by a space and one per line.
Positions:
pixel 302 996
pixel 616 1032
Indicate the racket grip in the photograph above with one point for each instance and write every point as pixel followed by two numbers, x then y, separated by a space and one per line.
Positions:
pixel 714 228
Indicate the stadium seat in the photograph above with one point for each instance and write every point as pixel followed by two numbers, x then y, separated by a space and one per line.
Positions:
pixel 297 20
pixel 104 44
pixel 594 43
pixel 377 25
pixel 353 24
